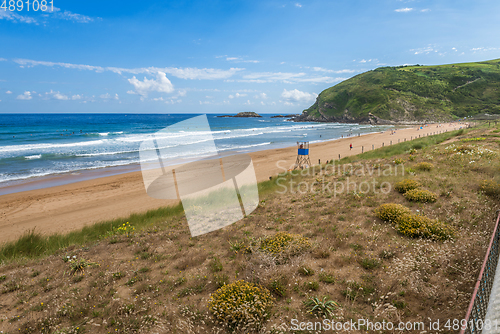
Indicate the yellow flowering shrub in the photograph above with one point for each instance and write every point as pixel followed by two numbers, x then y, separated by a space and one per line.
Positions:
pixel 284 242
pixel 490 188
pixel 416 226
pixel 425 166
pixel 420 195
pixel 241 305
pixel 391 212
pixel 411 225
pixel 405 185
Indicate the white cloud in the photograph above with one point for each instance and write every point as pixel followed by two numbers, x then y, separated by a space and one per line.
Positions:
pixel 8 92
pixel 201 74
pixel 69 16
pixel 272 76
pixel 425 50
pixel 295 95
pixel 237 95
pixel 298 5
pixel 182 73
pixel 241 60
pixel 262 96
pixel 161 85
pixel 14 17
pixel 108 96
pixel 76 97
pixel 248 103
pixel 425 10
pixel 483 49
pixel 321 69
pixel 403 10
pixel 25 96
pixel 3 59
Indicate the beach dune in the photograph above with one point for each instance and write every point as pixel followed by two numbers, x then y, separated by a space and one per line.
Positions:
pixel 61 209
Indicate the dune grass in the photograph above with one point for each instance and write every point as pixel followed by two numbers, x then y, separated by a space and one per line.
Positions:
pixel 401 148
pixel 33 244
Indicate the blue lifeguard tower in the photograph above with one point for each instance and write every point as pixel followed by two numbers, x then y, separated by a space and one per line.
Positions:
pixel 302 155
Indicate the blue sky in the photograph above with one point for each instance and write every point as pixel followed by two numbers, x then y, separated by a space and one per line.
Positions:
pixel 223 56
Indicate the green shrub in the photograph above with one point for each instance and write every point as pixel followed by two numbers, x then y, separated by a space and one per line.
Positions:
pixel 326 278
pixel 406 184
pixel 282 245
pixel 412 225
pixel 369 263
pixel 420 195
pixel 416 226
pixel 490 188
pixel 241 305
pixel 391 212
pixel 424 166
pixel 399 161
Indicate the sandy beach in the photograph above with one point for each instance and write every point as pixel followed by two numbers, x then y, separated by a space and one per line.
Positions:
pixel 64 208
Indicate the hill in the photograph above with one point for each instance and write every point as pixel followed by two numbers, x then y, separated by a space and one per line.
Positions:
pixel 411 94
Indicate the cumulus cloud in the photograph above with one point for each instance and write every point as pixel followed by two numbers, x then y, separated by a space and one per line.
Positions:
pixel 3 59
pixel 161 85
pixel 262 96
pixel 8 92
pixel 295 95
pixel 76 97
pixel 403 10
pixel 25 96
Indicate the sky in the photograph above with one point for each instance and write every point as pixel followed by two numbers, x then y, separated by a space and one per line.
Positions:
pixel 272 56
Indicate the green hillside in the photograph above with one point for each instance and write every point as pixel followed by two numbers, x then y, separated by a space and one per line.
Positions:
pixel 411 94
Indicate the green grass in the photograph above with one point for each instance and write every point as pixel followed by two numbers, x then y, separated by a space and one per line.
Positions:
pixel 33 244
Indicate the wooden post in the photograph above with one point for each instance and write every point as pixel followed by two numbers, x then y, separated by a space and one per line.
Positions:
pixel 391 142
pixel 319 161
pixel 382 144
pixel 405 139
pixel 339 157
pixel 362 149
pixel 373 147
pixel 398 140
pixel 411 138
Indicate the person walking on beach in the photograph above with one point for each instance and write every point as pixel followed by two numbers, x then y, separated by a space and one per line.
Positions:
pixel 350 147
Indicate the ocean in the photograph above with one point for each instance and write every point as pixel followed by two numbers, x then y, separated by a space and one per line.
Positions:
pixel 40 145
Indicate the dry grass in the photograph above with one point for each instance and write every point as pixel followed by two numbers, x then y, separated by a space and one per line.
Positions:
pixel 159 280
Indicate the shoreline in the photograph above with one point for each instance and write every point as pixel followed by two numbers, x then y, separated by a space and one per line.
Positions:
pixel 68 207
